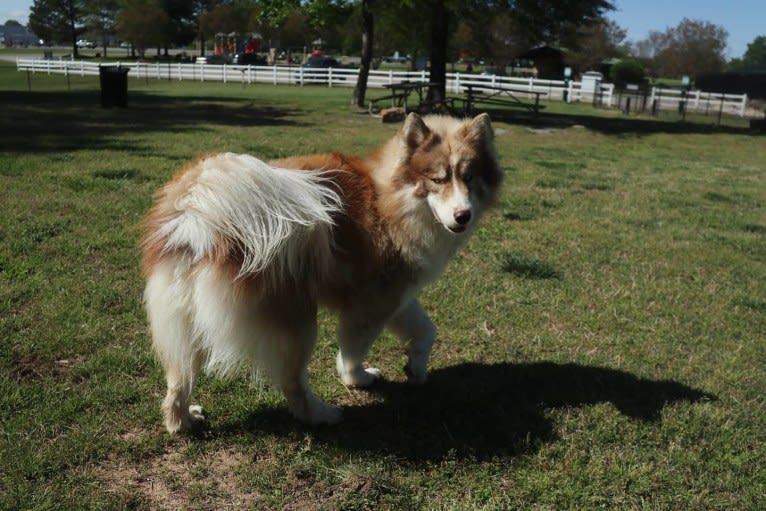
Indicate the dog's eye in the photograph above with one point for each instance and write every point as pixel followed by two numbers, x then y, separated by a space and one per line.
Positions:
pixel 467 177
pixel 438 180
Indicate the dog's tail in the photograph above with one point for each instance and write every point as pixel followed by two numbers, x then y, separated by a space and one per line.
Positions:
pixel 238 209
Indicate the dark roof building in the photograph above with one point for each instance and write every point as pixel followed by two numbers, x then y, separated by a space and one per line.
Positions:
pixel 12 34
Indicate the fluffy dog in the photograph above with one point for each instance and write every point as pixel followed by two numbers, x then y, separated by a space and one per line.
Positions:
pixel 238 255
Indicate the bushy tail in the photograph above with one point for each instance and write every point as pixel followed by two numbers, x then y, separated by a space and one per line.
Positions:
pixel 276 219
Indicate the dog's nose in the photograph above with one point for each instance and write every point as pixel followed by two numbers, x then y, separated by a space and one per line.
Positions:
pixel 463 216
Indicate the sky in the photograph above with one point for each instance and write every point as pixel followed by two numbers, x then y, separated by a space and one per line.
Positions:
pixel 743 19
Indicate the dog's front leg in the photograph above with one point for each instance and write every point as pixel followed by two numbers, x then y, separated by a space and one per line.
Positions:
pixel 356 333
pixel 416 331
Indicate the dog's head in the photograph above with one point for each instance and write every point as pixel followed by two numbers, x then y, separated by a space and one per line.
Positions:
pixel 452 165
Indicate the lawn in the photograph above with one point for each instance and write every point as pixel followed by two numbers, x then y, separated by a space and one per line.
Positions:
pixel 601 337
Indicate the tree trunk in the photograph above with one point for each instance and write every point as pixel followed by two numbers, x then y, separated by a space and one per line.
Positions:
pixel 364 70
pixel 439 35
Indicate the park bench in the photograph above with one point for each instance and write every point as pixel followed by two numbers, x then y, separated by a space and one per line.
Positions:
pixel 501 96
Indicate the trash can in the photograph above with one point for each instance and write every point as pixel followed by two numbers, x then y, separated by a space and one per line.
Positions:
pixel 114 86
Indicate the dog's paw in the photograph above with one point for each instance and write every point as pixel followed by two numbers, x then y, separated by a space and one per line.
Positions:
pixel 312 410
pixel 361 378
pixel 193 419
pixel 415 376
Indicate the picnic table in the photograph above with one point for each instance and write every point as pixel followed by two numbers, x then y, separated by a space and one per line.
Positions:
pixel 400 93
pixel 503 96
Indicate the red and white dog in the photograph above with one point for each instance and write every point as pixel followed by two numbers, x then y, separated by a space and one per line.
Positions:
pixel 239 254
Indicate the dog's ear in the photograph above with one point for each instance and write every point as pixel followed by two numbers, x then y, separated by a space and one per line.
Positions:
pixel 479 130
pixel 414 131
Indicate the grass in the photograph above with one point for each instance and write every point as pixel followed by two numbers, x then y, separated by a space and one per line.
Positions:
pixel 600 337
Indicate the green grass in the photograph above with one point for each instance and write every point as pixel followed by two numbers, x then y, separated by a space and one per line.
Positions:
pixel 601 337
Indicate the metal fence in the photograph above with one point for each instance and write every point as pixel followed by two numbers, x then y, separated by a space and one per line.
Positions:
pixel 556 90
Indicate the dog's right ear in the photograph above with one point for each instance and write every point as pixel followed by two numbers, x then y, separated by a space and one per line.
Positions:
pixel 414 131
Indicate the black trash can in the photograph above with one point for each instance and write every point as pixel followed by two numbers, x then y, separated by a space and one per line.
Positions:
pixel 114 86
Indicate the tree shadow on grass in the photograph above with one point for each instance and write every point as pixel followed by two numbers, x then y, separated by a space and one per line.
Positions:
pixel 480 410
pixel 64 121
pixel 617 124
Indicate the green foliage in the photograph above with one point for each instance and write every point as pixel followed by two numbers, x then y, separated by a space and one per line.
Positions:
pixel 144 25
pixel 627 71
pixel 755 56
pixel 57 21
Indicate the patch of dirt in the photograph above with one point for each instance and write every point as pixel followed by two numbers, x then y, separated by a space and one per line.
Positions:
pixel 178 479
pixel 307 494
pixel 34 368
pixel 172 481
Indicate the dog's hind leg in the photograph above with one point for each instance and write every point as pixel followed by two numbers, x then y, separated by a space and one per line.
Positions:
pixel 166 303
pixel 178 413
pixel 416 331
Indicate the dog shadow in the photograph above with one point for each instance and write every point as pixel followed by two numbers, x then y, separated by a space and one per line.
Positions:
pixel 479 410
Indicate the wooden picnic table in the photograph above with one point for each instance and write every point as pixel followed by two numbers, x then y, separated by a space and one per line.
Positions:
pixel 401 91
pixel 496 95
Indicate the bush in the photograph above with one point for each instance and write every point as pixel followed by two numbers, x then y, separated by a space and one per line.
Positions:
pixel 627 71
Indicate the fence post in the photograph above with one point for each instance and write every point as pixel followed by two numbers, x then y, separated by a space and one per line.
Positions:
pixel 743 106
pixel 329 77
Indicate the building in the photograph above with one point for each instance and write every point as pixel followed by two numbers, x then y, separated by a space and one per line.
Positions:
pixel 13 34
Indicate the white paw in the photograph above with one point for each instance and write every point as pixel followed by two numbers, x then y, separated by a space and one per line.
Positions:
pixel 188 421
pixel 196 414
pixel 358 377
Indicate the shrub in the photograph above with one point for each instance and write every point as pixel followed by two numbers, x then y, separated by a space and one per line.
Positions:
pixel 627 71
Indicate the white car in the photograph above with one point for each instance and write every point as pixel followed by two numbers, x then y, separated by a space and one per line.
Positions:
pixel 84 43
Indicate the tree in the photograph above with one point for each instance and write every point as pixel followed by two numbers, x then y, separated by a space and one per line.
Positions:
pixel 596 43
pixel 438 60
pixel 182 23
pixel 556 22
pixel 691 48
pixel 368 32
pixel 57 20
pixel 144 25
pixel 224 19
pixel 99 17
pixel 755 55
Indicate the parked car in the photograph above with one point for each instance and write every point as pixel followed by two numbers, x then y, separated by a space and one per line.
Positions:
pixel 322 61
pixel 243 59
pixel 84 43
pixel 396 58
pixel 311 69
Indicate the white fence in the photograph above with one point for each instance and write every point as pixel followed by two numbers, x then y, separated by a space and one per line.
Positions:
pixel 557 90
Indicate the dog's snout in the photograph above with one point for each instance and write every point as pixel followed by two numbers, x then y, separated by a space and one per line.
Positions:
pixel 463 216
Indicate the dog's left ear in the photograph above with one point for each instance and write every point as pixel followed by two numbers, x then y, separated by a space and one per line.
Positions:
pixel 479 130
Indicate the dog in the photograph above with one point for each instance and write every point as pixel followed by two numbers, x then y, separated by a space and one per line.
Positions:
pixel 238 255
